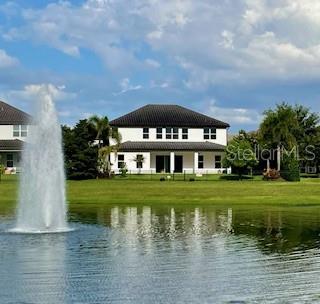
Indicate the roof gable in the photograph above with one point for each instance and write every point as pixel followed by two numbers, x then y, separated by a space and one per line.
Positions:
pixel 10 115
pixel 166 116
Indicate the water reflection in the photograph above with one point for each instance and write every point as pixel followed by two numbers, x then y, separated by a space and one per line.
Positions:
pixel 167 254
pixel 275 230
pixel 35 268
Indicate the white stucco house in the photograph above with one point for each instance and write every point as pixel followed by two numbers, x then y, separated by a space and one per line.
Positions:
pixel 170 139
pixel 14 127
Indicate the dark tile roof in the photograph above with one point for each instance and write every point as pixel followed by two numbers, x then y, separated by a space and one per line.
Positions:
pixel 10 115
pixel 139 146
pixel 166 116
pixel 11 145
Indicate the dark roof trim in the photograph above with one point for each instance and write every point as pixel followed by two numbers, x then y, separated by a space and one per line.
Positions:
pixel 166 116
pixel 13 145
pixel 139 146
pixel 10 115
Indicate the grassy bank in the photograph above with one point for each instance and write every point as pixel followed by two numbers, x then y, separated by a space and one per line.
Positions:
pixel 117 191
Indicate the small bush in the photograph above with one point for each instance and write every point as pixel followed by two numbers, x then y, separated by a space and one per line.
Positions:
pixel 272 174
pixel 162 179
pixel 192 179
pixel 291 169
pixel 124 171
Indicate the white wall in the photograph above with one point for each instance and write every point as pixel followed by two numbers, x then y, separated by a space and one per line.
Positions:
pixel 194 134
pixel 150 161
pixel 6 132
pixel 129 158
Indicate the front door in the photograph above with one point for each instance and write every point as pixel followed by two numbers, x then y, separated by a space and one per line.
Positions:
pixel 178 163
pixel 162 163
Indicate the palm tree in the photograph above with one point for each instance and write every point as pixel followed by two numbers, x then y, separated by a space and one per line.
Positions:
pixel 278 128
pixel 104 132
pixel 102 129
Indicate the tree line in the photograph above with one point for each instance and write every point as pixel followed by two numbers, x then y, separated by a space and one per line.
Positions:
pixel 287 139
pixel 87 147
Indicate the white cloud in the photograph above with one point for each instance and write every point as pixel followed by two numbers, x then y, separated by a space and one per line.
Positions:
pixel 234 115
pixel 213 41
pixel 6 60
pixel 126 86
pixel 31 91
pixel 152 63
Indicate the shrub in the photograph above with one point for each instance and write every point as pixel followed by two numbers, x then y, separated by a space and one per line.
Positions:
pixel 291 169
pixel 191 179
pixel 123 171
pixel 162 179
pixel 272 174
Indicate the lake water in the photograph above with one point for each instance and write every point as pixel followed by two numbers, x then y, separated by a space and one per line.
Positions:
pixel 129 254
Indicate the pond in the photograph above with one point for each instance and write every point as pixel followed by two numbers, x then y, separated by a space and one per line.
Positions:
pixel 166 254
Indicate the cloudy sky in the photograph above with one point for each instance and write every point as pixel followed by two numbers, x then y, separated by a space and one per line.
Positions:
pixel 230 59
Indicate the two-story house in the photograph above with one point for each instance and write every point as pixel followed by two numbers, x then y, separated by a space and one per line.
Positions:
pixel 168 139
pixel 14 125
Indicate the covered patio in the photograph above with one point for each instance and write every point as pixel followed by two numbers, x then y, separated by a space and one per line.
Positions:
pixel 170 157
pixel 10 155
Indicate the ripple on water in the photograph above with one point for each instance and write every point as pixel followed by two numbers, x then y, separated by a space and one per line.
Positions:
pixel 155 256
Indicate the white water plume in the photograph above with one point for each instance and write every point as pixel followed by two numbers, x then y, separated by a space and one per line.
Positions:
pixel 42 201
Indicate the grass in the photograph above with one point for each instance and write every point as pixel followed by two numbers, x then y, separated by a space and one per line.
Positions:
pixel 94 193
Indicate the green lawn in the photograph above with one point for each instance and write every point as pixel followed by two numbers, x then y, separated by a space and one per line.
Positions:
pixel 95 193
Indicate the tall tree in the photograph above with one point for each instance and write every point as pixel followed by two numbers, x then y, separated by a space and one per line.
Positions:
pixel 240 155
pixel 102 129
pixel 307 135
pixel 278 128
pixel 109 140
pixel 79 152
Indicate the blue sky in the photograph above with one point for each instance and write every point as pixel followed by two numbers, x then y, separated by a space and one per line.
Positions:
pixel 228 59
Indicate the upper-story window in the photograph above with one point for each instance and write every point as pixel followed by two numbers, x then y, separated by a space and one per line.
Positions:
pixel 184 133
pixel 159 133
pixel 20 131
pixel 172 133
pixel 145 133
pixel 209 133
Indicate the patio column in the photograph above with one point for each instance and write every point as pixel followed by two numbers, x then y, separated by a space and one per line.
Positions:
pixel 171 162
pixel 195 161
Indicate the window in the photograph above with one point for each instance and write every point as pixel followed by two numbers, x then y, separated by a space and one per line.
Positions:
pixel 24 131
pixel 121 163
pixel 20 131
pixel 168 133
pixel 213 133
pixel 172 133
pixel 175 133
pixel 16 130
pixel 139 161
pixel 159 133
pixel 209 133
pixel 200 161
pixel 217 162
pixel 9 160
pixel 184 133
pixel 145 133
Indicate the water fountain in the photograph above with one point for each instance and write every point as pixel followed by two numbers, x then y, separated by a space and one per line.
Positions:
pixel 42 202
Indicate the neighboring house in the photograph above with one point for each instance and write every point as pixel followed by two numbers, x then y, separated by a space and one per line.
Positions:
pixel 13 132
pixel 168 139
